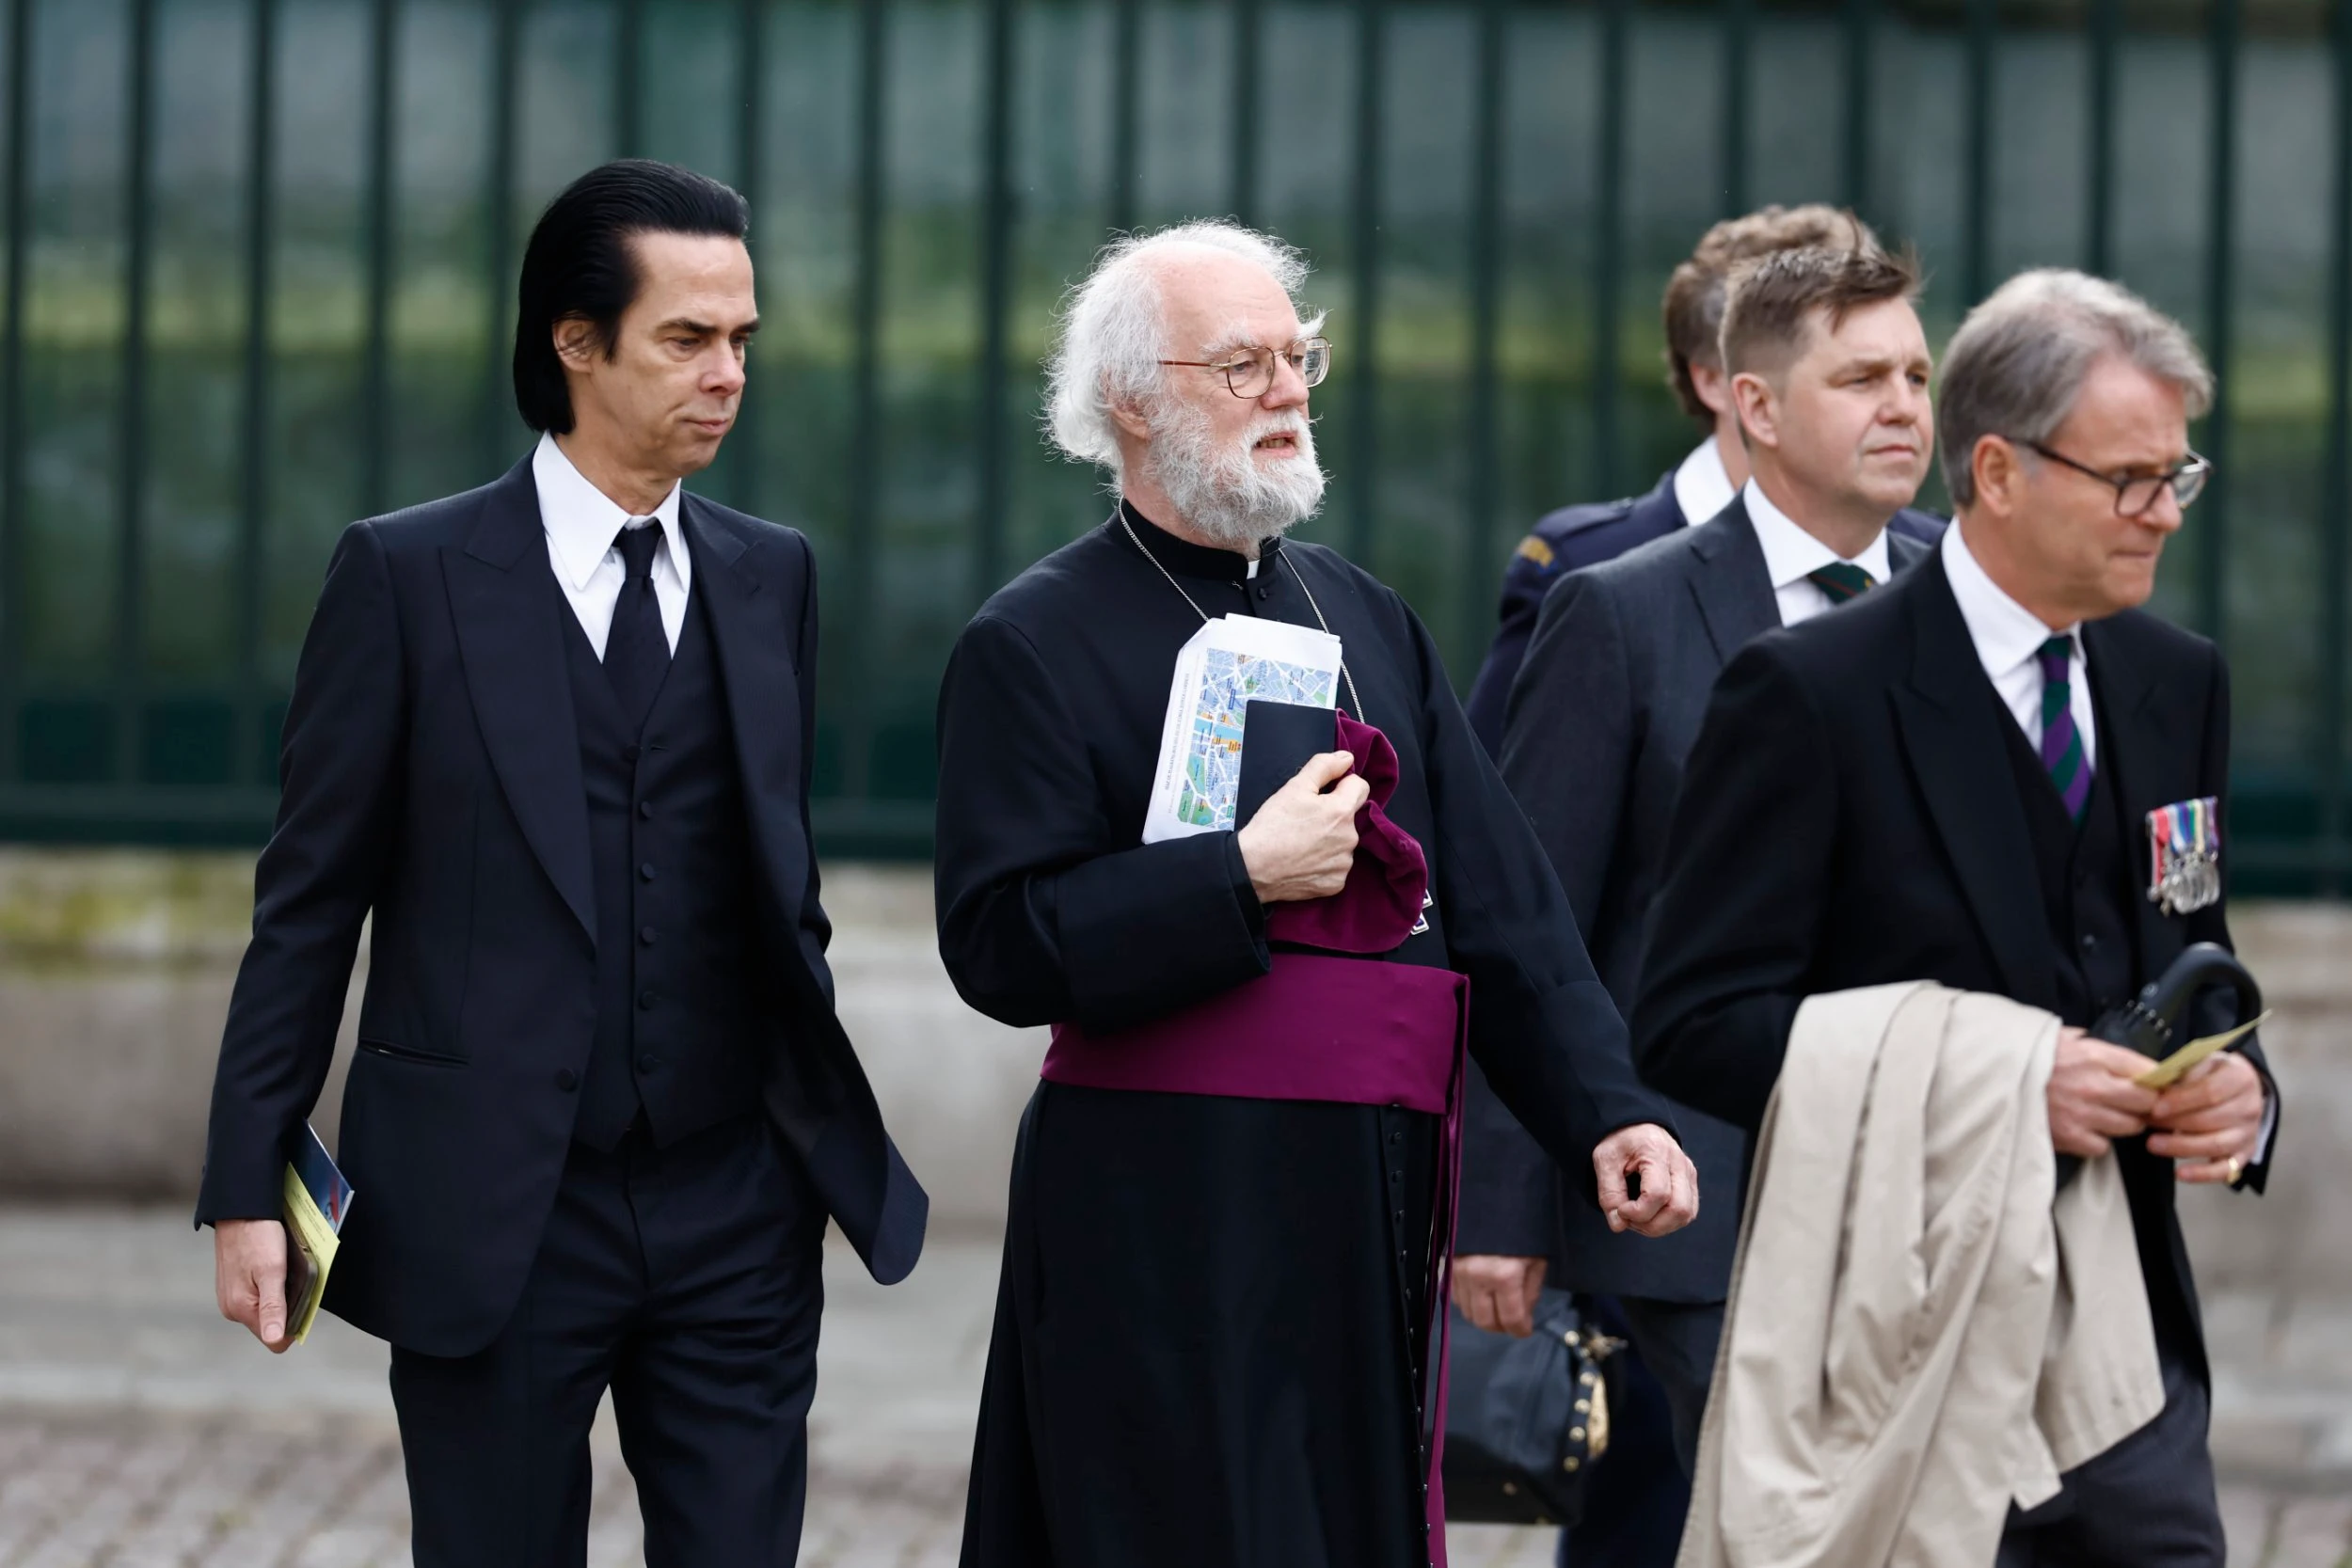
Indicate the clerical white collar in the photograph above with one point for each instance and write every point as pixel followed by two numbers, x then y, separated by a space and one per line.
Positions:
pixel 1702 484
pixel 582 521
pixel 1790 553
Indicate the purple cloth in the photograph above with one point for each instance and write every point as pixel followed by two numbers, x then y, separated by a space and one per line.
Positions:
pixel 1382 901
pixel 1318 1028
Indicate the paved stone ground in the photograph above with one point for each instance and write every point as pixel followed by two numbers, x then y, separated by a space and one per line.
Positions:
pixel 138 1430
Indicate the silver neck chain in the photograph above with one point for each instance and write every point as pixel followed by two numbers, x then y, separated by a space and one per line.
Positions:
pixel 1144 550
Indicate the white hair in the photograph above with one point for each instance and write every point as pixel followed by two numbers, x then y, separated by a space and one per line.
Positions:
pixel 1112 332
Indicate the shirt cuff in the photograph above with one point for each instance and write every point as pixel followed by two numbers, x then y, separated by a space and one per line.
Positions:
pixel 2271 1124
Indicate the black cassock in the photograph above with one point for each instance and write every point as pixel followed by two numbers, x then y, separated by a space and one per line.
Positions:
pixel 1209 1328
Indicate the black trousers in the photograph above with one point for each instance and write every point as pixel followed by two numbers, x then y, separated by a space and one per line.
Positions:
pixel 687 1281
pixel 2148 1502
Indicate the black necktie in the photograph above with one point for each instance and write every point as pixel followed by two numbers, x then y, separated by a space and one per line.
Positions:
pixel 637 650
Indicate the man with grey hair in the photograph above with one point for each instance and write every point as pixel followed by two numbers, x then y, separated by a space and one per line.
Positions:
pixel 2000 774
pixel 1232 1194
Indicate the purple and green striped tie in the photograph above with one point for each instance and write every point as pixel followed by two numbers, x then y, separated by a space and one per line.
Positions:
pixel 2061 743
pixel 1841 580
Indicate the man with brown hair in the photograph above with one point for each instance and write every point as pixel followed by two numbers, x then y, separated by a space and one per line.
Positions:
pixel 1703 482
pixel 1826 367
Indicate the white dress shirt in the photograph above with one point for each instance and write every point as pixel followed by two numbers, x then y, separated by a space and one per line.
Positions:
pixel 1702 484
pixel 1789 553
pixel 582 523
pixel 2009 639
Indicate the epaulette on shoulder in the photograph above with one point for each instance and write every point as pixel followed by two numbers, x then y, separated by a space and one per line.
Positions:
pixel 1553 527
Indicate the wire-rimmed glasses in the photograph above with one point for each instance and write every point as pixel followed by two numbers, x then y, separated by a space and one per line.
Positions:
pixel 2136 493
pixel 1249 372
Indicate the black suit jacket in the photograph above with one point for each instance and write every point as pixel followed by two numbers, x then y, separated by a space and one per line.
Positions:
pixel 431 777
pixel 1606 707
pixel 1849 817
pixel 1568 539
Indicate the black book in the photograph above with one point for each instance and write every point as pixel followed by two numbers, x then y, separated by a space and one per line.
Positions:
pixel 1276 740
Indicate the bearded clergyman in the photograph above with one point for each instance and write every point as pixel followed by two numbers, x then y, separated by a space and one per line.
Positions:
pixel 1218 1335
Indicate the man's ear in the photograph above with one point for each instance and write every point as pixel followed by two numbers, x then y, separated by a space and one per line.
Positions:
pixel 1712 386
pixel 1131 419
pixel 1999 473
pixel 1758 408
pixel 575 342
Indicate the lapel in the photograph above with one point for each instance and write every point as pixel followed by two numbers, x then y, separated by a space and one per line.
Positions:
pixel 507 608
pixel 1948 715
pixel 1903 553
pixel 1732 586
pixel 754 643
pixel 2132 754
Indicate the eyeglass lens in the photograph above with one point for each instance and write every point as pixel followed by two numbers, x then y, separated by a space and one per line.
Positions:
pixel 1251 376
pixel 2137 496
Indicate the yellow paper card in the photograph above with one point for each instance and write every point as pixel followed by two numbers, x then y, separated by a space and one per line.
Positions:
pixel 2169 1071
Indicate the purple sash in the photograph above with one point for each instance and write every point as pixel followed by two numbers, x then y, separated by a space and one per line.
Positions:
pixel 1326 1028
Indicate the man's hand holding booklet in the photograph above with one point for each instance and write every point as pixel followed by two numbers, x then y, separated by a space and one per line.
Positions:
pixel 271 1275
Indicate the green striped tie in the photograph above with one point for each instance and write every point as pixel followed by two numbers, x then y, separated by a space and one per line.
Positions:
pixel 1841 580
pixel 2061 743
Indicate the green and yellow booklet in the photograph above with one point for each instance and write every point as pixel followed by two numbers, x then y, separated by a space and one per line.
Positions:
pixel 317 1201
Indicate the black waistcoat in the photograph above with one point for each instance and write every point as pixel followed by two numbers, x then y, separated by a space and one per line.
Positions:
pixel 2085 877
pixel 681 1015
pixel 2087 896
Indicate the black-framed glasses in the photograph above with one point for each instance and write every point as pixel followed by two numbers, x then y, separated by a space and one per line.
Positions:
pixel 1250 372
pixel 2136 493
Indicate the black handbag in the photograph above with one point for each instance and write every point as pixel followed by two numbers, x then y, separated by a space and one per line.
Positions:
pixel 1526 1418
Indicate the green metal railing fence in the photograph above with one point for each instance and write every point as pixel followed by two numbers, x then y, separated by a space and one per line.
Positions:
pixel 258 259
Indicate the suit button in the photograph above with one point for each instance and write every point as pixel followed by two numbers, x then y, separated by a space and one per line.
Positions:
pixel 1264 593
pixel 644 808
pixel 646 1064
pixel 566 1080
pixel 644 1000
pixel 645 871
pixel 2090 942
pixel 645 936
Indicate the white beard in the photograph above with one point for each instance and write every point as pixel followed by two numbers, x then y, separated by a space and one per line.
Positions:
pixel 1225 495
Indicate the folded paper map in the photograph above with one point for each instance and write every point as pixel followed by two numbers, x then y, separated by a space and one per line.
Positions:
pixel 2169 1071
pixel 1230 662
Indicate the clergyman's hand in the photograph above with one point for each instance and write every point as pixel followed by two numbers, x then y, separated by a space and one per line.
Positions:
pixel 250 1274
pixel 2092 1099
pixel 2210 1121
pixel 1669 1181
pixel 1498 1293
pixel 1302 842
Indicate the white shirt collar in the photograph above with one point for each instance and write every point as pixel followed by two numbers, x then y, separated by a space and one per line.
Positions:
pixel 1790 553
pixel 1702 484
pixel 2005 633
pixel 582 521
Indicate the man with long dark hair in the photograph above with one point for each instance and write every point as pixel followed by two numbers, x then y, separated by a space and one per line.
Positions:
pixel 554 735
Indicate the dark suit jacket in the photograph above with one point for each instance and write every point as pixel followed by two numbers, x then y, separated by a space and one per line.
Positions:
pixel 1849 817
pixel 431 777
pixel 1606 707
pixel 1568 539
